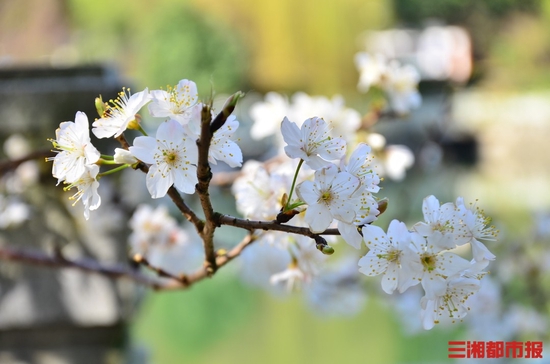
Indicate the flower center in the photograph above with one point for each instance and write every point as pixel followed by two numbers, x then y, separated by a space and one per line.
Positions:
pixel 326 196
pixel 428 261
pixel 170 157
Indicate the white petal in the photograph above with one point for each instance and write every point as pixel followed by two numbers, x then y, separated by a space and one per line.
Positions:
pixel 157 184
pixel 350 234
pixel 144 148
pixel 318 218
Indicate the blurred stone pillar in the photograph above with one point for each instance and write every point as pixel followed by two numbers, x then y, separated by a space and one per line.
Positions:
pixel 61 315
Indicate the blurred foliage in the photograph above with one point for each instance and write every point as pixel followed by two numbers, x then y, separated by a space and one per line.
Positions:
pixel 484 19
pixel 460 12
pixel 159 43
pixel 302 45
pixel 201 326
pixel 519 59
pixel 181 326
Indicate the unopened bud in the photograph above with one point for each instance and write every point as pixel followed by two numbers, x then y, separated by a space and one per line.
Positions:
pixel 382 206
pixel 228 108
pixel 326 249
pixel 286 216
pixel 100 106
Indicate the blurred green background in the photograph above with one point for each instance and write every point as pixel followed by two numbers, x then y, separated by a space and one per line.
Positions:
pixel 286 46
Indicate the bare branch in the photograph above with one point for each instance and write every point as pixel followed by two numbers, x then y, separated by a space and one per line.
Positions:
pixel 9 165
pixel 221 260
pixel 252 225
pixel 85 264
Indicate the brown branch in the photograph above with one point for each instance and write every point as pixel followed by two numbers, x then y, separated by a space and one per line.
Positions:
pixel 140 259
pixel 9 165
pixel 221 260
pixel 252 225
pixel 204 175
pixel 84 264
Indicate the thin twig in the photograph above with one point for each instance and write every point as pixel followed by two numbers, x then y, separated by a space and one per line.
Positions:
pixel 202 273
pixel 252 225
pixel 85 264
pixel 9 165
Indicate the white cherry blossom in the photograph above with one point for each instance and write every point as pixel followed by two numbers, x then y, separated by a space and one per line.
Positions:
pixel 123 156
pixel 476 226
pixel 401 85
pixel 75 150
pixel 120 113
pixel 435 267
pixel 391 255
pixel 451 302
pixel 172 156
pixel 177 102
pixel 441 226
pixel 312 142
pixel 87 186
pixel 222 146
pixel 328 197
pixel 371 70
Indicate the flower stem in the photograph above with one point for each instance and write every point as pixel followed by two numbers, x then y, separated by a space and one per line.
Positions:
pixel 142 131
pixel 103 161
pixel 114 170
pixel 108 157
pixel 293 184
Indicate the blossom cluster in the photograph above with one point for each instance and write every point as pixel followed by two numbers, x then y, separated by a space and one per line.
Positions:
pixel 327 186
pixel 427 255
pixel 336 190
pixel 399 82
pixel 157 237
pixel 171 155
pixel 391 161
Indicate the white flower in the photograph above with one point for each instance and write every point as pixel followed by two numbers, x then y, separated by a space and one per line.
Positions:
pixel 371 70
pixel 361 166
pixel 453 301
pixel 120 113
pixel 149 226
pixel 267 115
pixel 401 84
pixel 397 159
pixel 435 267
pixel 75 149
pixel 12 211
pixel 476 227
pixel 173 157
pixel 328 197
pixel 312 142
pixel 123 156
pixel 87 186
pixel 366 211
pixel 222 147
pixel 390 254
pixel 441 226
pixel 260 261
pixel 305 265
pixel 176 103
pixel 157 236
pixel 343 120
pixel 258 192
